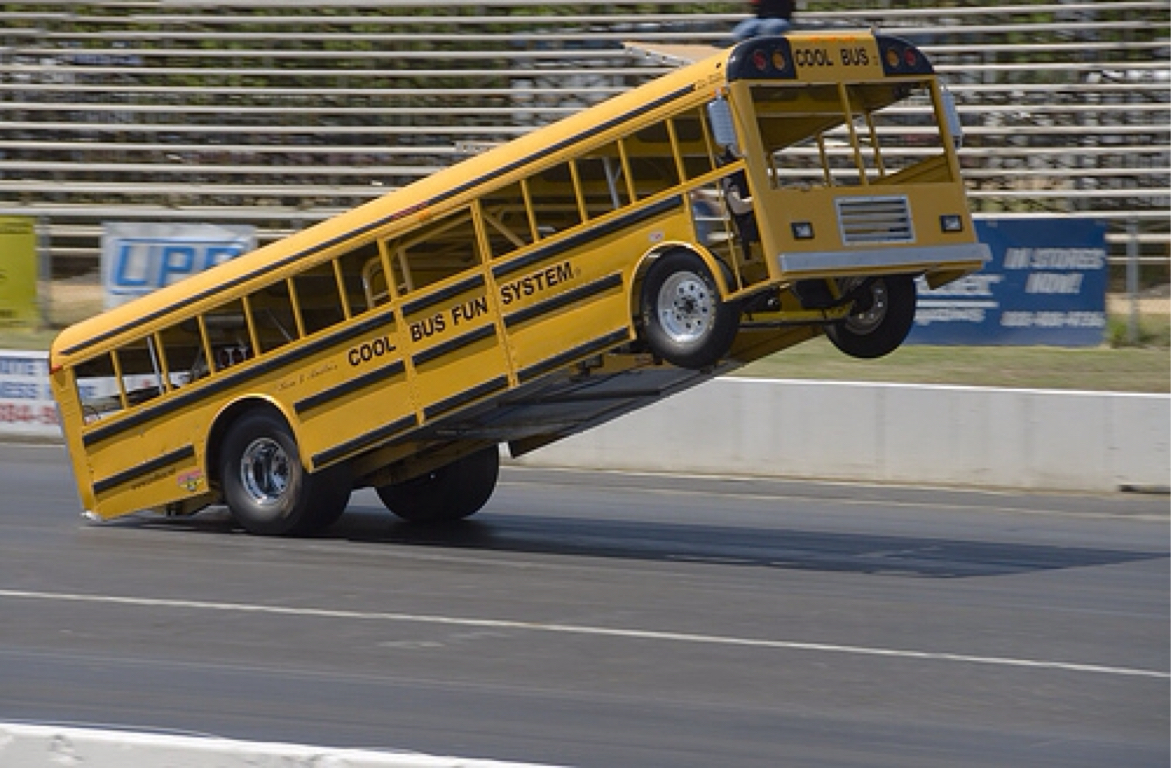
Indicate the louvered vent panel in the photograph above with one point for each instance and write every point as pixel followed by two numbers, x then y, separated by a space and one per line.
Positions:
pixel 870 220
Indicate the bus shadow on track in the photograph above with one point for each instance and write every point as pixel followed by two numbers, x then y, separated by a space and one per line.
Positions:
pixel 729 546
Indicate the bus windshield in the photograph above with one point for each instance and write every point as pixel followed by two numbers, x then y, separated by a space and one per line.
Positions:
pixel 846 135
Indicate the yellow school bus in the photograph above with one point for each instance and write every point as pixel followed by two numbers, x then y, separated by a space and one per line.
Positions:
pixel 787 187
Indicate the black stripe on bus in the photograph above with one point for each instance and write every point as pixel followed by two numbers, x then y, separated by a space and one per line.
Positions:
pixel 553 149
pixel 455 289
pixel 385 220
pixel 372 437
pixel 447 347
pixel 229 380
pixel 145 468
pixel 553 249
pixel 569 355
pixel 378 376
pixel 563 300
pixel 465 397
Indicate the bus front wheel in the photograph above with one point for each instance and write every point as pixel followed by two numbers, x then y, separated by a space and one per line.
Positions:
pixel 447 494
pixel 880 319
pixel 684 320
pixel 265 486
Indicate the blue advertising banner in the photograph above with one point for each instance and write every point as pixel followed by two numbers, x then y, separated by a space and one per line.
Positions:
pixel 141 257
pixel 1046 284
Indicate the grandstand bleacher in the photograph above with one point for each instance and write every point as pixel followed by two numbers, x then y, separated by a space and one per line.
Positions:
pixel 281 114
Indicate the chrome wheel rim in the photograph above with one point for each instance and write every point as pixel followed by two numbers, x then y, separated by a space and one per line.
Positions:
pixel 265 471
pixel 686 307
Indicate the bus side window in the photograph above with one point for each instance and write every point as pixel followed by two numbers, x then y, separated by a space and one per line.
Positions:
pixel 193 360
pixel 274 316
pixel 318 298
pixel 142 370
pixel 555 201
pixel 697 148
pixel 434 252
pixel 508 219
pixel 97 388
pixel 353 266
pixel 227 335
pixel 375 284
pixel 181 353
pixel 603 181
pixel 652 160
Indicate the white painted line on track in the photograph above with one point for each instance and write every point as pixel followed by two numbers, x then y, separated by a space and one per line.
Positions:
pixel 33 744
pixel 575 629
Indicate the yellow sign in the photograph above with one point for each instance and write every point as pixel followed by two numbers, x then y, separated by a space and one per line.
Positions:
pixel 18 271
pixel 832 58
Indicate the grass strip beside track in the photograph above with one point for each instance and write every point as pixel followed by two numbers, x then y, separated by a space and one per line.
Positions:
pixel 1104 369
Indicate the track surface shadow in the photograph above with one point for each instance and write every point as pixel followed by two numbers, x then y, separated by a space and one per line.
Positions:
pixel 780 548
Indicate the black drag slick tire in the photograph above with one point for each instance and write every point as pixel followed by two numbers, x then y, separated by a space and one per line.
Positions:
pixel 881 322
pixel 450 493
pixel 265 485
pixel 684 321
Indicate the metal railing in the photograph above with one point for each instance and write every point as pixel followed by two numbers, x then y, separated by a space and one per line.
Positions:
pixel 284 114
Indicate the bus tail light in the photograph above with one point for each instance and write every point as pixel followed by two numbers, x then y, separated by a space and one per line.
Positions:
pixel 762 58
pixel 900 57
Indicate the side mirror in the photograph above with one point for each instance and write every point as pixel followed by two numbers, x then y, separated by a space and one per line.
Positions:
pixel 954 126
pixel 719 114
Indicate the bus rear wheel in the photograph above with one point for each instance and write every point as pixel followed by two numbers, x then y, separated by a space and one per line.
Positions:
pixel 880 319
pixel 684 320
pixel 452 492
pixel 265 485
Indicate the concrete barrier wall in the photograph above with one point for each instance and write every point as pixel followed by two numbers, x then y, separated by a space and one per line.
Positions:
pixel 31 746
pixel 889 433
pixel 894 433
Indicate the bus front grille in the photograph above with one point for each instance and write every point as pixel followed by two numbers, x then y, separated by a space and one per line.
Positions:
pixel 870 220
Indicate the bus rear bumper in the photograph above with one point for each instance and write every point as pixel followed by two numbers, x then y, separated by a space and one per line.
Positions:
pixel 962 257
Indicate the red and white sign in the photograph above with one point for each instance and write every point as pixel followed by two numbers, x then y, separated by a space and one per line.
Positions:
pixel 27 407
